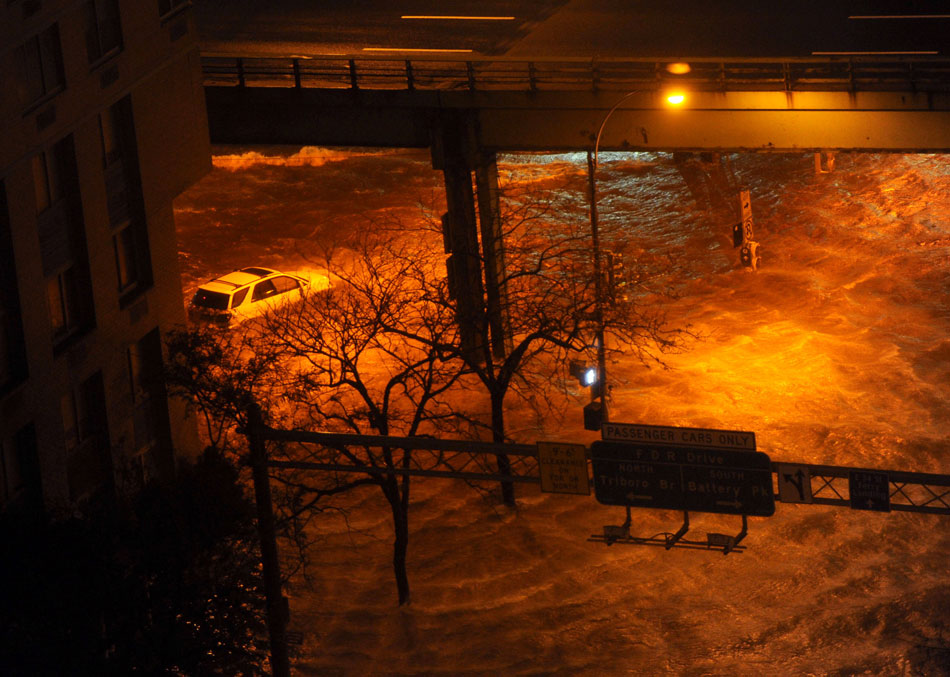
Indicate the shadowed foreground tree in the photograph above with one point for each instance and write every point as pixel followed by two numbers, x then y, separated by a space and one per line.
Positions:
pixel 346 372
pixel 218 373
pixel 169 589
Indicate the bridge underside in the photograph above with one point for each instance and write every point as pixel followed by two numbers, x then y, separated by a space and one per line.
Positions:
pixel 550 121
pixel 465 130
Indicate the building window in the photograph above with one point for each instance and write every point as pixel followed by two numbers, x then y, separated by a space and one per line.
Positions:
pixel 20 472
pixel 13 369
pixel 152 430
pixel 40 66
pixel 114 166
pixel 47 180
pixel 125 201
pixel 76 427
pixel 86 439
pixel 103 29
pixel 62 241
pixel 126 250
pixel 62 292
pixel 109 133
pixel 166 7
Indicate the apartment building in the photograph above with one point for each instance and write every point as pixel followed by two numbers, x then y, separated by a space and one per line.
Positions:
pixel 104 123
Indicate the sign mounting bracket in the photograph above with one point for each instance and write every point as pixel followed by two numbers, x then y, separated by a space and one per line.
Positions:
pixel 615 533
pixel 728 543
pixel 671 540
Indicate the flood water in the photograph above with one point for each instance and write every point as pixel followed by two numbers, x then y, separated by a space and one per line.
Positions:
pixel 836 351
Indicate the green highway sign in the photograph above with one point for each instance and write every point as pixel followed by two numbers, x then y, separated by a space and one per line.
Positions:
pixel 869 490
pixel 683 478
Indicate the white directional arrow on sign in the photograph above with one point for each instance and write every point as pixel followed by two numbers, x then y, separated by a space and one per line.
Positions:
pixel 794 483
pixel 734 504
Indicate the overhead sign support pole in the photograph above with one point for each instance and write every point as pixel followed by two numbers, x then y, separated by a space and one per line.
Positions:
pixel 671 541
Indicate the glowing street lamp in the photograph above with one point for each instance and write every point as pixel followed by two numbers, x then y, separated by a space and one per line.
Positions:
pixel 676 98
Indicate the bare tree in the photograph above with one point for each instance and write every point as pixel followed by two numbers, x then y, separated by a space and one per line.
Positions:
pixel 380 352
pixel 332 363
pixel 345 370
pixel 548 304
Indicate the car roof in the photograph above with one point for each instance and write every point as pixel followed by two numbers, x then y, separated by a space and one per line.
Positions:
pixel 239 278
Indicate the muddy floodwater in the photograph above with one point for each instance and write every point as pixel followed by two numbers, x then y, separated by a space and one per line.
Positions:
pixel 835 351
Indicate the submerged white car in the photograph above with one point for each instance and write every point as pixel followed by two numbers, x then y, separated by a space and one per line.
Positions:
pixel 243 294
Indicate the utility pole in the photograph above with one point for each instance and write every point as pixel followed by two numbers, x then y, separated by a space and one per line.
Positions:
pixel 277 611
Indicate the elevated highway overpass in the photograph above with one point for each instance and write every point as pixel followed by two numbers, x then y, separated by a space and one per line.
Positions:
pixel 894 103
pixel 466 110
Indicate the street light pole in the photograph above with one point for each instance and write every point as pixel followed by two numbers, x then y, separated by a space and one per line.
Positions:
pixel 595 242
pixel 598 283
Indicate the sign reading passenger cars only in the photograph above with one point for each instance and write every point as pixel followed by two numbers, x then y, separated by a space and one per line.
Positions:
pixel 708 438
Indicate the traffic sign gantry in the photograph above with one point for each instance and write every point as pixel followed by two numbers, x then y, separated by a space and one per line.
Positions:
pixel 683 478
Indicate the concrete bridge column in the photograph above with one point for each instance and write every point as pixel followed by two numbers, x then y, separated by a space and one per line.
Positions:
pixel 493 251
pixel 452 153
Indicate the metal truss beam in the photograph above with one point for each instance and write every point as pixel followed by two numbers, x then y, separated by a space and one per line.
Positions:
pixel 469 460
pixel 830 485
pixel 429 457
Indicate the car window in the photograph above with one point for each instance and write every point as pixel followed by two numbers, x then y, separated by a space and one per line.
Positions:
pixel 214 300
pixel 263 290
pixel 285 284
pixel 239 297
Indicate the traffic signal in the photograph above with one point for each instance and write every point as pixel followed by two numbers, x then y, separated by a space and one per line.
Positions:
pixel 585 374
pixel 748 255
pixel 593 416
pixel 589 377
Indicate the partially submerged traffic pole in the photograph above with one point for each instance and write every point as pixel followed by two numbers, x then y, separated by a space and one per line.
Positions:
pixel 742 236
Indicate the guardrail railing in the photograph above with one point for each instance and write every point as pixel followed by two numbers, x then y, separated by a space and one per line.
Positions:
pixel 910 74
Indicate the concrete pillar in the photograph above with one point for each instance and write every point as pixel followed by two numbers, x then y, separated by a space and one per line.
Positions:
pixel 451 152
pixel 493 252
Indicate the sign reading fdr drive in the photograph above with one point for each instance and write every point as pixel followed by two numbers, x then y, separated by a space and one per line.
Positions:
pixel 683 478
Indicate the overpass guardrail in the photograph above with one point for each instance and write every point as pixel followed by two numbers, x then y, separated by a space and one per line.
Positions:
pixel 853 73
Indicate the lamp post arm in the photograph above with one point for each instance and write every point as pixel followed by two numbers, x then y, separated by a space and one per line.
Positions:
pixel 595 241
pixel 607 117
